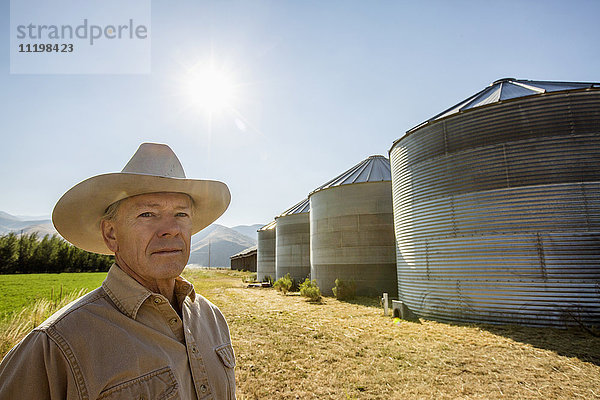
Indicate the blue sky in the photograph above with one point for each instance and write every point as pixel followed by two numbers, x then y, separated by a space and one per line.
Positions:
pixel 321 85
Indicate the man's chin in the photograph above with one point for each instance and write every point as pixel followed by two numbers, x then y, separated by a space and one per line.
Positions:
pixel 174 266
pixel 168 268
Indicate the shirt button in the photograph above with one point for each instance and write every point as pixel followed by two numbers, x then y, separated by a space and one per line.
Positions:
pixel 157 300
pixel 203 388
pixel 173 321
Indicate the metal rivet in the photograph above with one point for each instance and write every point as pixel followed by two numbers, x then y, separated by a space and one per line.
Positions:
pixel 173 321
pixel 157 300
pixel 194 349
pixel 203 388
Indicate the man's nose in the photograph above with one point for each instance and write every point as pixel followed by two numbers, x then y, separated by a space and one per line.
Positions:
pixel 168 227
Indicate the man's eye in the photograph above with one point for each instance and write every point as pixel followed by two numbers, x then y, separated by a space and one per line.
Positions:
pixel 181 214
pixel 145 214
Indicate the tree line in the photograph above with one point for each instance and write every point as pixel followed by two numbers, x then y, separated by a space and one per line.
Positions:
pixel 27 253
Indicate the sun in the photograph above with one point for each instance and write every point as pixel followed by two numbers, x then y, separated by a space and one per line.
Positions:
pixel 214 92
pixel 209 89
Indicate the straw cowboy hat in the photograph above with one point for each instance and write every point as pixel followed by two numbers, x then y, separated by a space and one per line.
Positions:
pixel 153 168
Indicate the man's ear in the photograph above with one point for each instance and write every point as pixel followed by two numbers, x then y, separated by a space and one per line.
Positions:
pixel 109 235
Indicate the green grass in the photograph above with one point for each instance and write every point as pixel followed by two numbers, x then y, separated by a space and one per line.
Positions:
pixel 17 291
pixel 27 300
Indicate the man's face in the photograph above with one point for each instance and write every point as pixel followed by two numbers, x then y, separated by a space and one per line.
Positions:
pixel 152 234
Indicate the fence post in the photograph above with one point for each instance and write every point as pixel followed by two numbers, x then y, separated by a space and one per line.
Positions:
pixel 385 304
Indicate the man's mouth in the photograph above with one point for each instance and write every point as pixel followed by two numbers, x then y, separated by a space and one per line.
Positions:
pixel 167 251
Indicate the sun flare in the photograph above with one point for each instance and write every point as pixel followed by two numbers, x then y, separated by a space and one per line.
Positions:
pixel 214 92
pixel 210 89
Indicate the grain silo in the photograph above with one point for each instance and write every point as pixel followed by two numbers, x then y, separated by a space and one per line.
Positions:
pixel 265 257
pixel 351 230
pixel 292 242
pixel 497 207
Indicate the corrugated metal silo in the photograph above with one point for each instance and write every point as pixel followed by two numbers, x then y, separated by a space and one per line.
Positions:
pixel 265 257
pixel 351 230
pixel 292 242
pixel 497 207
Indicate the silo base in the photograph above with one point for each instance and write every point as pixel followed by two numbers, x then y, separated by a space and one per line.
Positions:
pixel 370 279
pixel 401 310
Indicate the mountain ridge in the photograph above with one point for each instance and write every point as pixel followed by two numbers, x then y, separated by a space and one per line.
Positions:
pixel 214 247
pixel 249 230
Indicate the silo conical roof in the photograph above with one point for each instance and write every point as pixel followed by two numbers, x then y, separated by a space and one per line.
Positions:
pixel 508 89
pixel 373 169
pixel 298 208
pixel 268 226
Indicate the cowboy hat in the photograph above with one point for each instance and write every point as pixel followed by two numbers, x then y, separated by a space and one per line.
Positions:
pixel 153 168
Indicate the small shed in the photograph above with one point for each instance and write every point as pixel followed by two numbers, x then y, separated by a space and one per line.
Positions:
pixel 245 260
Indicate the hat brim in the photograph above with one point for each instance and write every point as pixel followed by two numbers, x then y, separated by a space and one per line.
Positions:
pixel 77 214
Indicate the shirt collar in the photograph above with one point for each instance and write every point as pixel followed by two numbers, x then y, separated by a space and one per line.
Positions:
pixel 129 295
pixel 183 289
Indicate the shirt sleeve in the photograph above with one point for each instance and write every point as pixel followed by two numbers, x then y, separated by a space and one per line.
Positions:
pixel 37 368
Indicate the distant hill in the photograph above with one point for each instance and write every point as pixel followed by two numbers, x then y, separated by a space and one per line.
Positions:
pixel 198 237
pixel 43 229
pixel 7 216
pixel 224 242
pixel 249 230
pixel 10 223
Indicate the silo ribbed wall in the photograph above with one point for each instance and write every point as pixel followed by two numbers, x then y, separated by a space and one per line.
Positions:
pixel 497 213
pixel 265 261
pixel 352 237
pixel 293 246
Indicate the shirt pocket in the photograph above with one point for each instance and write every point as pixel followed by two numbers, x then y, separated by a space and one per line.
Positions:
pixel 227 357
pixel 156 385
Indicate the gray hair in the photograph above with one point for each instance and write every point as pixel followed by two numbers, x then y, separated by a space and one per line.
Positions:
pixel 111 211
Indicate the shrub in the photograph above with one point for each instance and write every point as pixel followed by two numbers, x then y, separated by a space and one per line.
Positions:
pixel 269 279
pixel 310 289
pixel 249 278
pixel 344 290
pixel 284 284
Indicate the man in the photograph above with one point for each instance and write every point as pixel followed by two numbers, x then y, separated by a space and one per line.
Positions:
pixel 145 333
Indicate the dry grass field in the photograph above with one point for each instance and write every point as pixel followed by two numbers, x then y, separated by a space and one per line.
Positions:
pixel 288 348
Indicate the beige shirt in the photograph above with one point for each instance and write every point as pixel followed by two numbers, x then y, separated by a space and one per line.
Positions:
pixel 122 341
